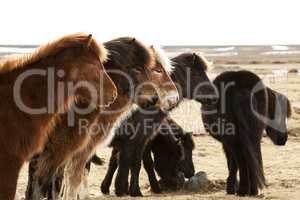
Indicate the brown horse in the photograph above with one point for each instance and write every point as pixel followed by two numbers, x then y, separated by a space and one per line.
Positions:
pixel 128 58
pixel 27 85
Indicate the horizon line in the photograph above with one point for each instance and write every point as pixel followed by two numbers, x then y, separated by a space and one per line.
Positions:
pixel 166 46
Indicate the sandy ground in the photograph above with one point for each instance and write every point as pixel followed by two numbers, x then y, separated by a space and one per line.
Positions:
pixel 281 164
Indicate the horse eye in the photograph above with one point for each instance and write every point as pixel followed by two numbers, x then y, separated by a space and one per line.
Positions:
pixel 137 70
pixel 158 70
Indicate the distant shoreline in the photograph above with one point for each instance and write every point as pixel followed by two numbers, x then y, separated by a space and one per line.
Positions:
pixel 19 46
pixel 219 54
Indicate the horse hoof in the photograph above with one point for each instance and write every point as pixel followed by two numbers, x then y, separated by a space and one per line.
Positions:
pixel 254 193
pixel 156 189
pixel 121 193
pixel 137 193
pixel 231 191
pixel 242 193
pixel 104 189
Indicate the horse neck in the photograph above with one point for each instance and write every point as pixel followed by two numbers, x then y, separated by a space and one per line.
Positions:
pixel 35 84
pixel 121 107
pixel 179 78
pixel 109 120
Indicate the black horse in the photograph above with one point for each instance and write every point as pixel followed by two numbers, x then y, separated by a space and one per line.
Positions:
pixel 244 110
pixel 171 147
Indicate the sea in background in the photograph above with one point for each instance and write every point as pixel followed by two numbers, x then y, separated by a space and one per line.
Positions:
pixel 272 54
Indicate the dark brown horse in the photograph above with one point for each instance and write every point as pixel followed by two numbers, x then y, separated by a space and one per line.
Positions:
pixel 28 83
pixel 238 119
pixel 168 96
pixel 130 65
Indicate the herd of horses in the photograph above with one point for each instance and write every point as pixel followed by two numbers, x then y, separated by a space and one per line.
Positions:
pixel 135 84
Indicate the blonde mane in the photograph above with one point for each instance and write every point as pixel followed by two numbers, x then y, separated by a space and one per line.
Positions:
pixel 206 64
pixel 163 59
pixel 53 48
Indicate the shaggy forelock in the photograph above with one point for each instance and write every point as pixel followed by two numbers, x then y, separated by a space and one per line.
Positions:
pixel 205 62
pixel 129 52
pixel 191 60
pixel 163 59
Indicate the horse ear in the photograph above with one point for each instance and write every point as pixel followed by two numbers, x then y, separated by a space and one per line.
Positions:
pixel 89 40
pixel 195 59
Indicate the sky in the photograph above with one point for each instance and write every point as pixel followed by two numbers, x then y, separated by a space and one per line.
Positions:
pixel 164 22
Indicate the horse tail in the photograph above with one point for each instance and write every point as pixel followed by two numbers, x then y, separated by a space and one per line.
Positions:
pixel 252 160
pixel 250 131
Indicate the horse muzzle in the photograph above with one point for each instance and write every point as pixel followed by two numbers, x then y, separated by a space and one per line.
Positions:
pixel 169 101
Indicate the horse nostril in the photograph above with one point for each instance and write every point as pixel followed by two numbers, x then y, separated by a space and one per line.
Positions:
pixel 154 99
pixel 113 97
pixel 281 141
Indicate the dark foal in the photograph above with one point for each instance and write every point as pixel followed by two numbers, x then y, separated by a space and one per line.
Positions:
pixel 172 149
pixel 129 143
pixel 242 112
pixel 169 165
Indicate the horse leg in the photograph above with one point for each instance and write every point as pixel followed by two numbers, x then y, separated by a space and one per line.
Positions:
pixel 244 185
pixel 149 167
pixel 57 183
pixel 121 182
pixel 232 168
pixel 112 167
pixel 30 184
pixel 47 166
pixel 134 189
pixel 73 176
pixel 253 179
pixel 9 173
